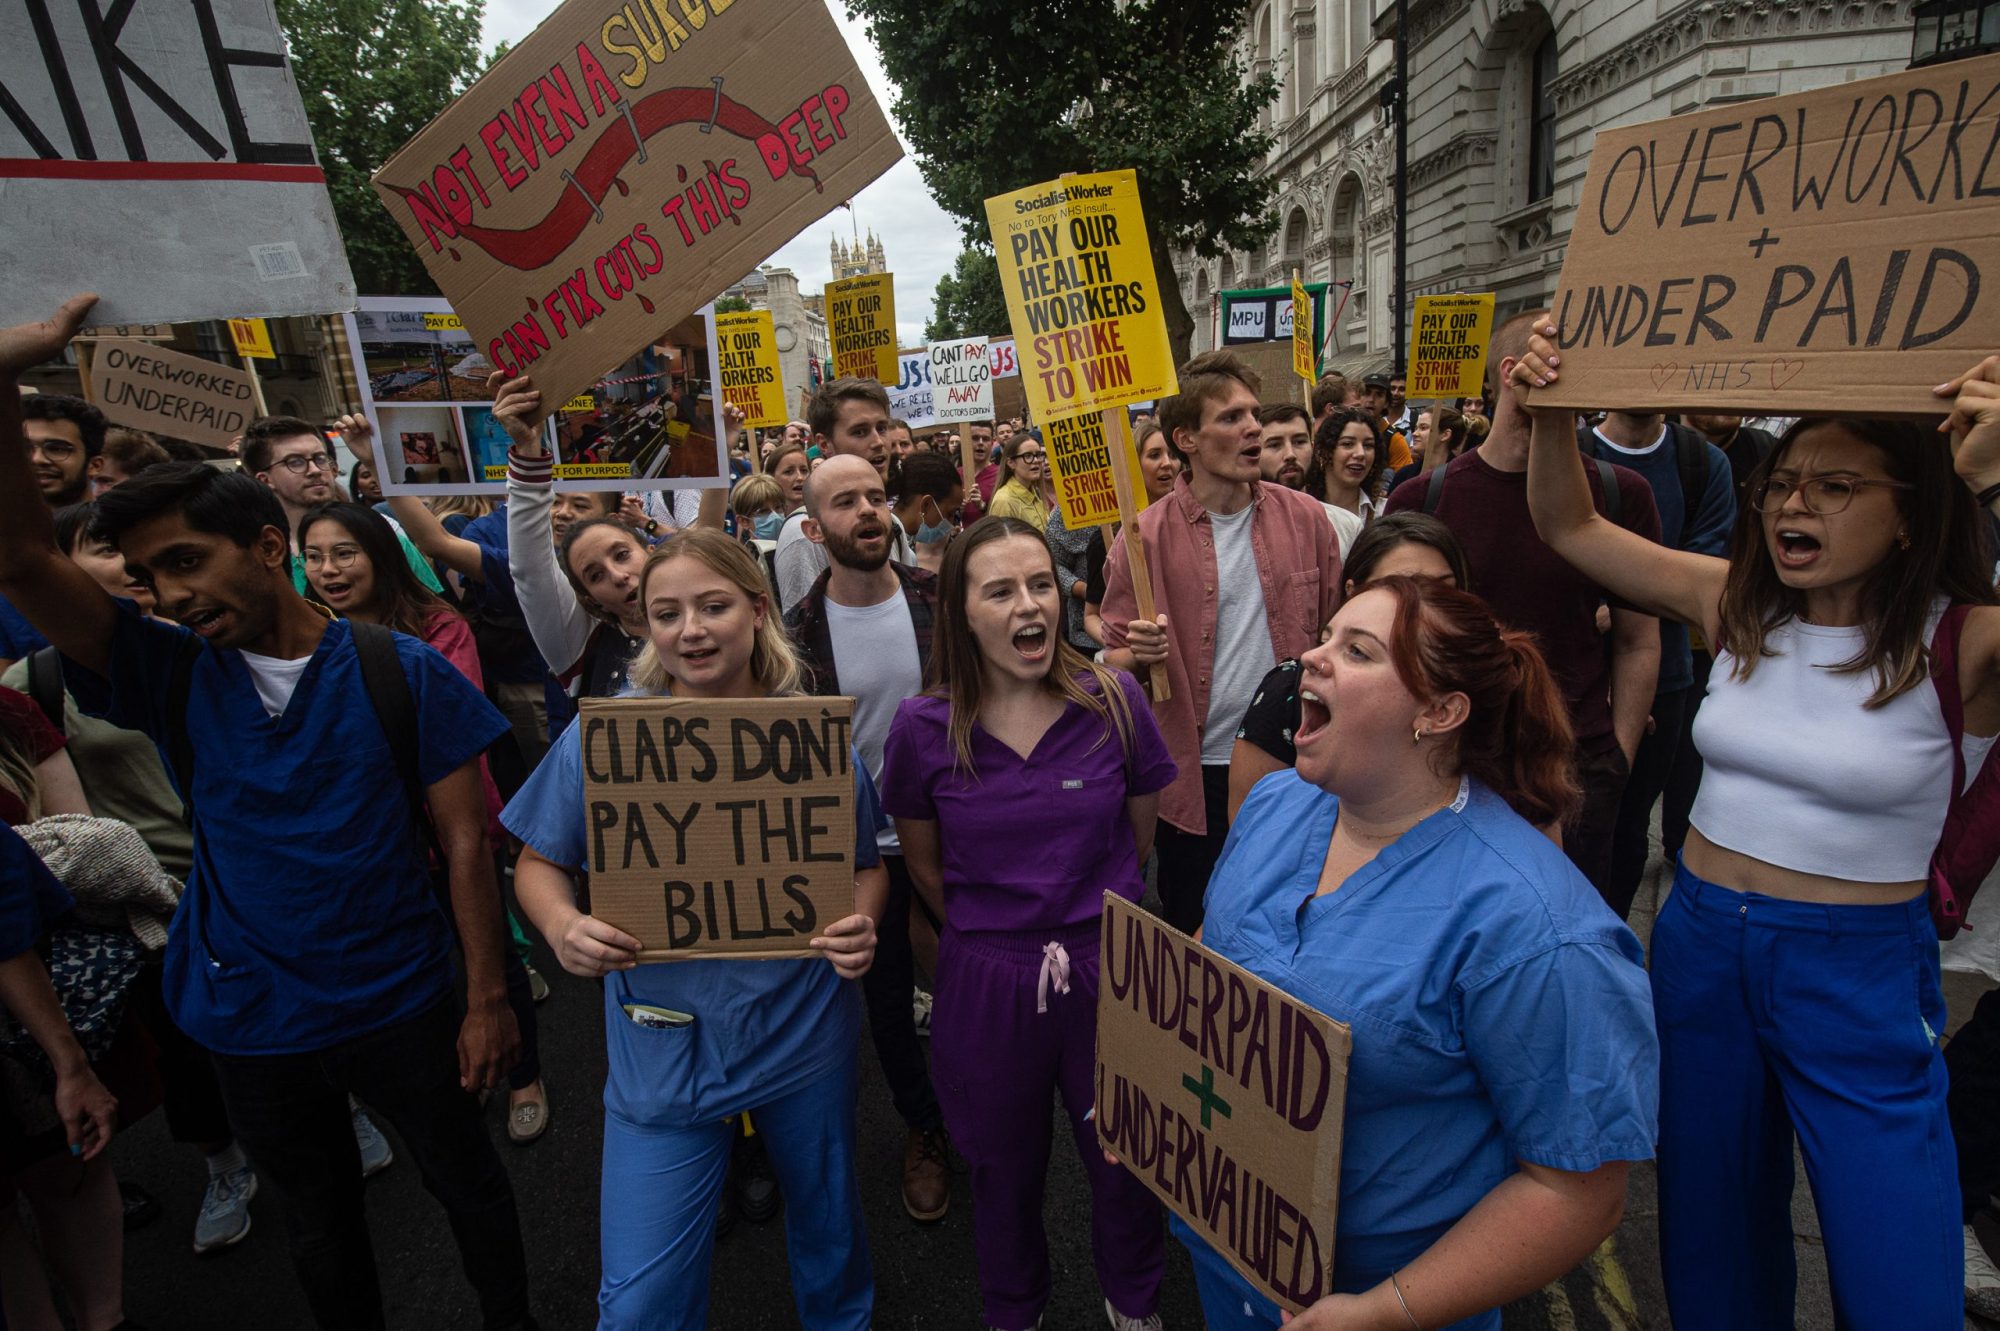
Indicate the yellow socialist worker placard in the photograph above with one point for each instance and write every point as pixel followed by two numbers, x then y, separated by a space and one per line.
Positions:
pixel 1082 295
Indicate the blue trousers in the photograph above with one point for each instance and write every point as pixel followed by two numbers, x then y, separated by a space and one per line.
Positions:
pixel 657 1205
pixel 1783 1017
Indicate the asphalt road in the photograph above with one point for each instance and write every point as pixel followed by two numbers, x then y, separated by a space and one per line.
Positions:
pixel 924 1274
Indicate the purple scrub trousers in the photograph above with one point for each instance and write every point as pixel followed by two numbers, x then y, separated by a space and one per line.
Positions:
pixel 996 1058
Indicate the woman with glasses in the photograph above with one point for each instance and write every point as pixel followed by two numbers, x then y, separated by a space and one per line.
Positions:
pixel 1022 496
pixel 355 569
pixel 1795 966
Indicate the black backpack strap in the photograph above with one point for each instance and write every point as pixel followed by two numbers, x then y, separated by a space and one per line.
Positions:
pixel 1691 460
pixel 1434 491
pixel 180 749
pixel 45 685
pixel 389 694
pixel 1614 503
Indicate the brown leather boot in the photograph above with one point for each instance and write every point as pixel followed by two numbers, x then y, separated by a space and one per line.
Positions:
pixel 926 1176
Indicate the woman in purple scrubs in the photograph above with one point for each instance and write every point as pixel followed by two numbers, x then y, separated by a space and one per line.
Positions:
pixel 1025 786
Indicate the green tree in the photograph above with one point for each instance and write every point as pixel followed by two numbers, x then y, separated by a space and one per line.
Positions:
pixel 995 95
pixel 969 301
pixel 373 73
pixel 732 304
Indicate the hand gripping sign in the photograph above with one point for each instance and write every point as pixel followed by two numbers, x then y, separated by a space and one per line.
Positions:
pixel 720 828
pixel 625 164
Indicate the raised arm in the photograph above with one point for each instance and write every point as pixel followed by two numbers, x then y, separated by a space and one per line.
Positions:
pixel 417 521
pixel 555 617
pixel 1671 583
pixel 57 597
pixel 1974 425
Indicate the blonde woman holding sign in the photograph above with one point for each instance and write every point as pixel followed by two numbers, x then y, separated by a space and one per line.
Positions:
pixel 692 1043
pixel 1795 966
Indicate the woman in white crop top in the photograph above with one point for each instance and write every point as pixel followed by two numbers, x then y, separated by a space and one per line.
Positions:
pixel 1795 966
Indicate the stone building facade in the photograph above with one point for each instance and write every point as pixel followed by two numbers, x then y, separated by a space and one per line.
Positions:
pixel 1506 97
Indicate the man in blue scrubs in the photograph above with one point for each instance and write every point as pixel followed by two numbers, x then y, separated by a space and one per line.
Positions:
pixel 310 953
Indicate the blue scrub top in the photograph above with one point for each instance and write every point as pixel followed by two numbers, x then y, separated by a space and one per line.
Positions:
pixel 309 917
pixel 761 1030
pixel 30 897
pixel 1500 1011
pixel 17 636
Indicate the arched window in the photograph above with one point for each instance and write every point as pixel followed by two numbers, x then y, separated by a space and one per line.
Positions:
pixel 1293 255
pixel 1542 120
pixel 1344 235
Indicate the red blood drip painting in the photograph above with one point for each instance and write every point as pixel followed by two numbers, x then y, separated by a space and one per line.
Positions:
pixel 539 245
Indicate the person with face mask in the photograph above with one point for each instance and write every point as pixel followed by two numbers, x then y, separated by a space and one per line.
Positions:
pixel 930 506
pixel 758 503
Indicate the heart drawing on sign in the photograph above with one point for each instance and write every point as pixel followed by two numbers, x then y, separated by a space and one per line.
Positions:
pixel 1663 374
pixel 1784 371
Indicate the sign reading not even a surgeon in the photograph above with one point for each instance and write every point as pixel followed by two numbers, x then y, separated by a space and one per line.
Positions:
pixel 623 165
pixel 1822 252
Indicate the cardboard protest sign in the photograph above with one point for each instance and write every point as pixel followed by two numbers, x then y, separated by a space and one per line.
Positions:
pixel 752 380
pixel 162 159
pixel 1080 465
pixel 252 337
pixel 423 384
pixel 962 380
pixel 1822 252
pixel 1225 1096
pixel 861 325
pixel 720 828
pixel 1449 336
pixel 1082 295
pixel 623 165
pixel 1305 363
pixel 912 400
pixel 166 392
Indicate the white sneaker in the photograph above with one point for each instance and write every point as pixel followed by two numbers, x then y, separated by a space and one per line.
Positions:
pixel 225 1209
pixel 1982 1279
pixel 920 1012
pixel 376 1153
pixel 1120 1322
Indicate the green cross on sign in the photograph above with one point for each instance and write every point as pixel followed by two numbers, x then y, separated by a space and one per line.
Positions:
pixel 1204 1091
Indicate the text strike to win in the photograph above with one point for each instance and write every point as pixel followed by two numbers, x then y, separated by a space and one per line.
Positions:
pixel 1281 1058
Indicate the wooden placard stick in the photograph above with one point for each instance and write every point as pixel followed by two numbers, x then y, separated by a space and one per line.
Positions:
pixel 86 353
pixel 256 384
pixel 1118 443
pixel 968 461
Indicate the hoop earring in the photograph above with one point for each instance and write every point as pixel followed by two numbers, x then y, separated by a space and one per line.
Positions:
pixel 1417 735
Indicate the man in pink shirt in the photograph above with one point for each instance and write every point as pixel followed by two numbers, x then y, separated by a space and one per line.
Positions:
pixel 1244 574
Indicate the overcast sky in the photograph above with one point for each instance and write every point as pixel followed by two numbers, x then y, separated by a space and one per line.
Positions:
pixel 919 240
